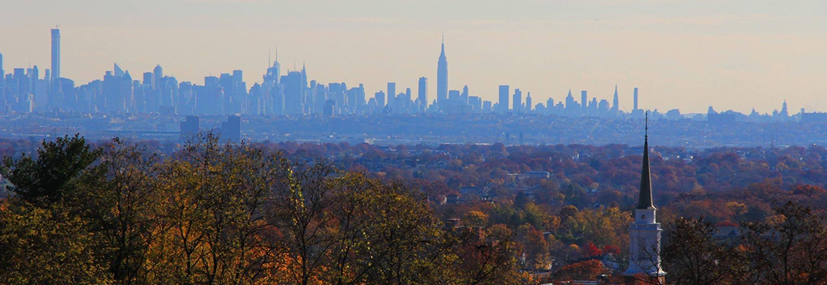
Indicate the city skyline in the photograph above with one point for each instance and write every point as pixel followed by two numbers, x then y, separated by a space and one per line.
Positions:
pixel 290 94
pixel 678 70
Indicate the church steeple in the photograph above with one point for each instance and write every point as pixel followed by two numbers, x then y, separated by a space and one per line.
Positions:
pixel 645 199
pixel 645 231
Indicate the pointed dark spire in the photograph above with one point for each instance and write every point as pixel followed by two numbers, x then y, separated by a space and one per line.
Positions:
pixel 645 200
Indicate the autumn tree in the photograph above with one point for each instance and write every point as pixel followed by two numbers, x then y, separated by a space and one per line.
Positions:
pixel 214 198
pixel 791 249
pixel 692 255
pixel 586 270
pixel 119 201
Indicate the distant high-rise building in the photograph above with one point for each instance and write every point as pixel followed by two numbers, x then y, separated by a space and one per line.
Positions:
pixel 231 129
pixel 190 126
pixel 528 103
pixel 518 101
pixel 503 103
pixel 442 76
pixel 329 108
pixel 360 99
pixel 117 91
pixel 157 73
pixel 615 103
pixel 584 101
pixel 55 53
pixel 454 95
pixel 423 93
pixel 38 88
pixel 271 89
pixel 2 72
pixel 34 75
pixel 569 101
pixel 292 92
pixel 117 70
pixel 380 99
pixel 149 80
pixel 635 102
pixel 303 91
pixel 391 93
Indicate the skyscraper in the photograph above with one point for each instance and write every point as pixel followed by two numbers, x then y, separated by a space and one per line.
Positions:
pixel 189 127
pixel 55 53
pixel 2 72
pixel 635 108
pixel 231 129
pixel 292 92
pixel 645 231
pixel 569 101
pixel 423 93
pixel 518 101
pixel 304 82
pixel 615 103
pixel 527 103
pixel 391 93
pixel 584 101
pixel 380 100
pixel 442 76
pixel 503 103
pixel 158 73
pixel 271 88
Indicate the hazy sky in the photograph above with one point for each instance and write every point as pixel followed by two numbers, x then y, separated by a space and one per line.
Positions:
pixel 682 54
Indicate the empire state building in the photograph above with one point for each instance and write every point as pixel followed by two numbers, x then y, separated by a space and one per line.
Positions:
pixel 442 77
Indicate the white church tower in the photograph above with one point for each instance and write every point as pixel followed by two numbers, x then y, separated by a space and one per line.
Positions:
pixel 645 231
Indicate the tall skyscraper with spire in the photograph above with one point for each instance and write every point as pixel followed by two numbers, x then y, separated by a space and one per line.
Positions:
pixel 55 53
pixel 645 231
pixel 304 87
pixel 615 104
pixel 442 76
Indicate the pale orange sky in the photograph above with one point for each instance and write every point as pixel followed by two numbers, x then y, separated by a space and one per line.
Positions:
pixel 682 54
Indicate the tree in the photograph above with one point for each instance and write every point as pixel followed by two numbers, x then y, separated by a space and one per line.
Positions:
pixel 488 261
pixel 48 177
pixel 119 200
pixel 792 250
pixel 586 270
pixel 46 246
pixel 691 254
pixel 475 218
pixel 213 203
